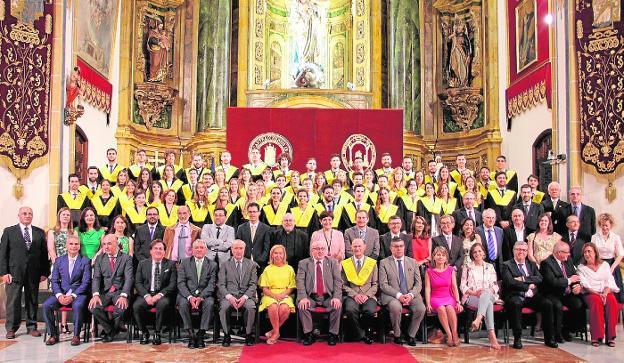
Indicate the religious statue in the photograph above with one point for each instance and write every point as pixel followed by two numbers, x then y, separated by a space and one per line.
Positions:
pixel 606 12
pixel 309 76
pixel 158 45
pixel 307 27
pixel 460 53
pixel 73 90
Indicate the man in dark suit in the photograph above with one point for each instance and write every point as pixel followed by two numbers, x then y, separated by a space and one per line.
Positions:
pixel 575 239
pixel 362 230
pixel 295 241
pixel 113 282
pixel 155 282
pixel 555 206
pixel 238 278
pixel 145 234
pixel 71 280
pixel 395 224
pixel 517 231
pixel 531 210
pixel 561 285
pixel 319 291
pixel 23 265
pixel 521 279
pixel 197 277
pixel 585 213
pixel 256 235
pixel 467 211
pixel 492 239
pixel 451 242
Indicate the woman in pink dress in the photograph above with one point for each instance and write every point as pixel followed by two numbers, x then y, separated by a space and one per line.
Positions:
pixel 442 295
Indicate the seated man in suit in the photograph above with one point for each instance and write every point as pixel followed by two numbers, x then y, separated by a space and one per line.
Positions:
pixel 179 238
pixel 395 224
pixel 517 231
pixel 359 281
pixel 113 282
pixel 238 281
pixel 561 285
pixel 196 287
pixel 146 233
pixel 400 284
pixel 218 237
pixel 369 235
pixel 585 213
pixel 531 209
pixel 319 284
pixel 448 240
pixel 71 280
pixel 575 239
pixel 256 235
pixel 294 240
pixel 521 279
pixel 155 282
pixel 492 239
pixel 467 211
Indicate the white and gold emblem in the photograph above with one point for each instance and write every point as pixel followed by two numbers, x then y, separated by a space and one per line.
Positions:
pixel 358 145
pixel 271 145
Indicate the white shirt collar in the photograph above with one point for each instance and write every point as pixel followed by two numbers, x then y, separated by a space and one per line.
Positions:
pixel 23 226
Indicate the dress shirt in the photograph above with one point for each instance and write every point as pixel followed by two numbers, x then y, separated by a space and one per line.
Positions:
pixel 519 234
pixel 360 260
pixel 449 240
pixel 361 232
pixel 71 262
pixel 174 247
pixel 228 296
pixel 153 282
pixel 609 247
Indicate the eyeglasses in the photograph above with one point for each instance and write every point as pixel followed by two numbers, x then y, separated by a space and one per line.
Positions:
pixel 319 248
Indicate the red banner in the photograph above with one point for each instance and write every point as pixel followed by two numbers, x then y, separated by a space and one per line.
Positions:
pixel 96 90
pixel 316 133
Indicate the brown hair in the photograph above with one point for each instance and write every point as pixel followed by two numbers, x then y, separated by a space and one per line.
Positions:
pixel 70 224
pixel 597 259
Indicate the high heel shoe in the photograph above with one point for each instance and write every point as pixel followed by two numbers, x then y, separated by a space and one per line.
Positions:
pixel 65 329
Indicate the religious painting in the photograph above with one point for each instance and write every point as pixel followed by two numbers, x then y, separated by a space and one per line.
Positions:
pixel 157 48
pixel 526 34
pixel 95 23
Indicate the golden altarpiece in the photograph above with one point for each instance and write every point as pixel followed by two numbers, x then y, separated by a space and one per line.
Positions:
pixel 184 62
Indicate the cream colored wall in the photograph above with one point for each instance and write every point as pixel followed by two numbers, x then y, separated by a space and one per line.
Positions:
pixel 35 196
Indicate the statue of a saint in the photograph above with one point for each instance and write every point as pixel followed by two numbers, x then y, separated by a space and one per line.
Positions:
pixel 460 54
pixel 73 90
pixel 158 45
pixel 307 22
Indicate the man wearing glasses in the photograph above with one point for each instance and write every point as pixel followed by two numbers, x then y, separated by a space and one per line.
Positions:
pixel 147 233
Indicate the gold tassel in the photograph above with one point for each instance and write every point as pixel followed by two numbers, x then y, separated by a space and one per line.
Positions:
pixel 610 192
pixel 18 189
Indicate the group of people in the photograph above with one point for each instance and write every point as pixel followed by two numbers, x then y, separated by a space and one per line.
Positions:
pixel 412 242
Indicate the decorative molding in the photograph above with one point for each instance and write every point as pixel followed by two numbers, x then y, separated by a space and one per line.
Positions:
pixel 152 99
pixel 527 99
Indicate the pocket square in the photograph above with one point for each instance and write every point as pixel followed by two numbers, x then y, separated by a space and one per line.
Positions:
pixel 167 270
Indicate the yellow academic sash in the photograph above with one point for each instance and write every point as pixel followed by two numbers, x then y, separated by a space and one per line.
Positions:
pixel 400 192
pixel 329 175
pixel 455 174
pixel 429 179
pixel 275 217
pixel 509 174
pixel 537 198
pixel 452 186
pixel 279 172
pixel 302 218
pixel 161 170
pixel 410 204
pixel 484 191
pixel 124 200
pixel 134 216
pixel 360 278
pixel 86 191
pixel 229 208
pixel 104 209
pixel 288 198
pixel 351 211
pixel 117 191
pixel 198 214
pixel 345 198
pixel 229 172
pixel 168 219
pixel 386 213
pixel 213 194
pixel 187 191
pixel 304 175
pixel 504 200
pixel 177 184
pixel 74 203
pixel 106 174
pixel 155 204
pixel 136 169
pixel 255 171
pixel 372 196
pixel 434 206
pixel 449 206
pixel 314 199
pixel 337 213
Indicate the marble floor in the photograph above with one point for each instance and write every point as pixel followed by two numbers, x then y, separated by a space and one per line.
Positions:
pixel 28 349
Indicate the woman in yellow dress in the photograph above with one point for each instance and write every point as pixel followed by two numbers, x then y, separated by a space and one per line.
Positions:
pixel 277 283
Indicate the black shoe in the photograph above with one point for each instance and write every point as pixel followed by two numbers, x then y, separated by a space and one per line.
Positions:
pixel 551 344
pixel 157 340
pixel 517 344
pixel 249 340
pixel 144 338
pixel 191 343
pixel 566 336
pixel 107 338
pixel 411 341
pixel 308 339
pixel 559 340
pixel 200 342
pixel 398 340
pixel 332 339
pixel 367 339
pixel 226 340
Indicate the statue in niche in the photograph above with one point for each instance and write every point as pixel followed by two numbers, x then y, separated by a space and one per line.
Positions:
pixel 73 90
pixel 460 52
pixel 606 12
pixel 158 46
pixel 307 25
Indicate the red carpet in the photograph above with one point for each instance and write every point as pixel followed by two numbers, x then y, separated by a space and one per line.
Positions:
pixel 320 352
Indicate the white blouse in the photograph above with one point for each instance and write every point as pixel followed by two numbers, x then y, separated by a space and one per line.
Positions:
pixel 610 247
pixel 478 277
pixel 597 280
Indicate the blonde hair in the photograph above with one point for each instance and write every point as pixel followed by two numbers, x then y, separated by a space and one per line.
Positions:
pixel 278 246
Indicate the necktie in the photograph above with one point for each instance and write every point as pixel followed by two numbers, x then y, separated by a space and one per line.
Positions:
pixel 93 189
pixel 491 246
pixel 362 234
pixel 471 214
pixel 151 233
pixel 198 266
pixel 526 209
pixel 320 288
pixel 358 266
pixel 72 262
pixel 157 277
pixel 521 268
pixel 502 192
pixel 182 242
pixel 330 207
pixel 74 195
pixel 253 232
pixel 565 275
pixel 238 269
pixel 218 231
pixel 27 238
pixel 449 242
pixel 575 210
pixel 111 264
pixel 572 238
pixel 111 168
pixel 357 206
pixel 402 280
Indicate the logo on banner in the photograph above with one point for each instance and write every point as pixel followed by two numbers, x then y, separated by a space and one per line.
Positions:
pixel 358 145
pixel 271 145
